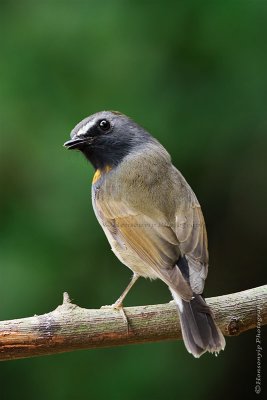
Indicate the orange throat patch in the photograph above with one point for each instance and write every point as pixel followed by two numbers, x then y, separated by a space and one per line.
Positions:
pixel 100 172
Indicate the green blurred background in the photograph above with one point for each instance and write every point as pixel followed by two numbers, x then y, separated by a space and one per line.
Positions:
pixel 195 75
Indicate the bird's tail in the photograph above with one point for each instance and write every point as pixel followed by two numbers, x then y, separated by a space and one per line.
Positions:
pixel 200 333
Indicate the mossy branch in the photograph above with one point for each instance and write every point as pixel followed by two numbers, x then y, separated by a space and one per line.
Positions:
pixel 70 327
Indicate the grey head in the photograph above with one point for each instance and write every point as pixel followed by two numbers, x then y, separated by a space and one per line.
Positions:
pixel 106 137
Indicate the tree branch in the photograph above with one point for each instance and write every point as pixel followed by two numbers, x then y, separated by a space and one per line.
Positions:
pixel 70 327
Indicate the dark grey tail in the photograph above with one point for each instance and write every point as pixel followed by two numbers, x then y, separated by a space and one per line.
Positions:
pixel 200 333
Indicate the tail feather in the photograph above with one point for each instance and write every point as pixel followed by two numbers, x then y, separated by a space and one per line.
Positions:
pixel 200 333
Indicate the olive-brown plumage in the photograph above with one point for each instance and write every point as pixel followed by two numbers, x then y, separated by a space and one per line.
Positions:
pixel 151 217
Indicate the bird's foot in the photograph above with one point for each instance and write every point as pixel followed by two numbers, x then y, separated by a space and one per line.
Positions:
pixel 118 306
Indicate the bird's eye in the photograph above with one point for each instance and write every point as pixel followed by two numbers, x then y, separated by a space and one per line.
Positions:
pixel 104 125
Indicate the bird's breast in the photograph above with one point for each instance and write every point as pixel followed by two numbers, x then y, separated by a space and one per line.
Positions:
pixel 99 173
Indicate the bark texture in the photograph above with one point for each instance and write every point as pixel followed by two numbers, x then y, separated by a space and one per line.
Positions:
pixel 70 327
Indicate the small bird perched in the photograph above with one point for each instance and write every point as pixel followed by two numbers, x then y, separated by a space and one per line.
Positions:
pixel 151 217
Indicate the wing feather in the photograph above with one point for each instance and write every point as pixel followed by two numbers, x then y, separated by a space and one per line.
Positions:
pixel 151 244
pixel 192 236
pixel 154 242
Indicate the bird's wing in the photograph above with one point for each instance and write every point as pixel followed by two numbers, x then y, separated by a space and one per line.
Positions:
pixel 151 239
pixel 192 236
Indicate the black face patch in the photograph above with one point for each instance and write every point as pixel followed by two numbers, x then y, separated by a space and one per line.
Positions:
pixel 108 137
pixel 106 151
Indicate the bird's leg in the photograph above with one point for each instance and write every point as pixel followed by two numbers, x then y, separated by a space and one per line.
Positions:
pixel 118 304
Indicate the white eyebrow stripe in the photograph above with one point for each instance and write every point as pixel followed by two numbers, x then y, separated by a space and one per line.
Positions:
pixel 85 128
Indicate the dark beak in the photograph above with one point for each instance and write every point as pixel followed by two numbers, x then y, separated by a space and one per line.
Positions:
pixel 76 143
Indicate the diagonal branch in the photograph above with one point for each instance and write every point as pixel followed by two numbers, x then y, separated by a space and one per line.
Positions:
pixel 70 327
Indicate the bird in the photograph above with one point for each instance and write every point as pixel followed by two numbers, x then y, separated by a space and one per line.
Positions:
pixel 151 218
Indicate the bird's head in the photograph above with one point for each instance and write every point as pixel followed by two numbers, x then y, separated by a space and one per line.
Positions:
pixel 106 137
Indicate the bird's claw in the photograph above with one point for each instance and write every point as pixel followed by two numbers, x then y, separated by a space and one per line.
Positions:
pixel 119 307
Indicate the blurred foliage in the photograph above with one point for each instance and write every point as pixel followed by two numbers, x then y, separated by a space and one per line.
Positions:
pixel 194 74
